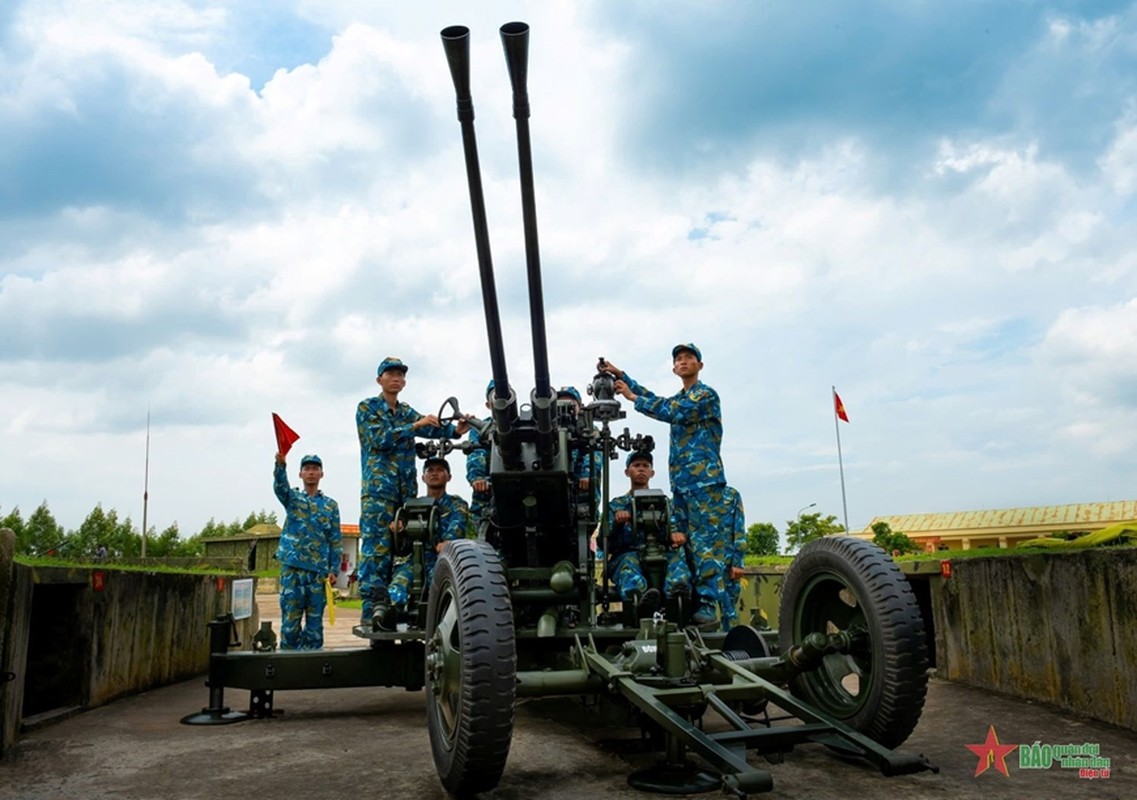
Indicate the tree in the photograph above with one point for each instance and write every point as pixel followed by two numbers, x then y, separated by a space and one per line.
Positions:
pixel 762 539
pixel 261 517
pixel 15 523
pixel 104 528
pixel 892 541
pixel 808 527
pixel 42 533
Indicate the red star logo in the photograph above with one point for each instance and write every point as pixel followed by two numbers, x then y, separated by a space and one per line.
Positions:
pixel 991 753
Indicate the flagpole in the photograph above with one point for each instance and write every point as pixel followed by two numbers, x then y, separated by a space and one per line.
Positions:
pixel 840 461
pixel 146 483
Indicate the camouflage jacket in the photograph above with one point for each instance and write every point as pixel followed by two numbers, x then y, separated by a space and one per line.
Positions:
pixel 695 417
pixel 478 465
pixel 387 448
pixel 311 537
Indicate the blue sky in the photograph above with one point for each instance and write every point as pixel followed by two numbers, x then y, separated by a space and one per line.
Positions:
pixel 221 211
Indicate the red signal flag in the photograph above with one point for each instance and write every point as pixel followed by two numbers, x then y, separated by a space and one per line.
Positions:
pixel 839 407
pixel 285 436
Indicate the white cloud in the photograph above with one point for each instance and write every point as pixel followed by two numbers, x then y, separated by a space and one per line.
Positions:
pixel 317 225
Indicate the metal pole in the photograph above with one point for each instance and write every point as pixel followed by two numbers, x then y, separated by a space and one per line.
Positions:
pixel 146 483
pixel 840 461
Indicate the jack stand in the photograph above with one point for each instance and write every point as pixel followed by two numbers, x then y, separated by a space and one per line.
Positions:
pixel 675 774
pixel 217 713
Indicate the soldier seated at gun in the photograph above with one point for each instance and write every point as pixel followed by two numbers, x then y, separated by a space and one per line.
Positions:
pixel 585 463
pixel 625 553
pixel 453 522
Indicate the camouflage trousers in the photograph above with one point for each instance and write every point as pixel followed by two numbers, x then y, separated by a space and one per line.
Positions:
pixel 375 513
pixel 626 572
pixel 732 591
pixel 403 579
pixel 699 513
pixel 302 602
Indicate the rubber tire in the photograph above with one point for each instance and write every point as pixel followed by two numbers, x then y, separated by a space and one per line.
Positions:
pixel 470 752
pixel 897 679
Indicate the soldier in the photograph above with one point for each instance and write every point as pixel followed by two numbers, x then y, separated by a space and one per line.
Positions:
pixel 453 523
pixel 478 471
pixel 584 464
pixel 694 467
pixel 309 552
pixel 387 429
pixel 624 567
pixel 734 531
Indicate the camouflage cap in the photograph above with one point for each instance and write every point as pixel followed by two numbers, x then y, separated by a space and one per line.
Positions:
pixel 436 460
pixel 569 391
pixel 686 346
pixel 390 362
pixel 311 459
pixel 639 455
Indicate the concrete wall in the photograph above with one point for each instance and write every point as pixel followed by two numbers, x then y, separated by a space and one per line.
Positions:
pixel 121 632
pixel 1056 627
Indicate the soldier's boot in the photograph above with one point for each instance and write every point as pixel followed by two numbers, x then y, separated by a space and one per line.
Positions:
pixel 650 602
pixel 705 618
pixel 383 618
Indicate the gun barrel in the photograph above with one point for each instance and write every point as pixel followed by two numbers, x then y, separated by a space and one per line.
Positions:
pixel 456 43
pixel 515 41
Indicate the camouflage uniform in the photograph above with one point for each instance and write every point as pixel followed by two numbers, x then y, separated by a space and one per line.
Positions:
pixel 478 469
pixel 734 531
pixel 697 478
pixel 389 479
pixel 625 569
pixel 453 523
pixel 310 550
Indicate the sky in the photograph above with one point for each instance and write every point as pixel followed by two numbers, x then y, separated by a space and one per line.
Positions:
pixel 211 212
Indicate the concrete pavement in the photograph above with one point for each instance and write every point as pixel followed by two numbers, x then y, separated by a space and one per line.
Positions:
pixel 373 743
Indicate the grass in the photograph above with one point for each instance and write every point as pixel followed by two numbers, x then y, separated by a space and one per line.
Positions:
pixel 64 563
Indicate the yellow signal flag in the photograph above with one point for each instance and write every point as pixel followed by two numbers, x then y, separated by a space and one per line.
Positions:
pixel 331 596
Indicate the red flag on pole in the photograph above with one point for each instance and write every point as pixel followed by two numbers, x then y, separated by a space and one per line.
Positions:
pixel 285 436
pixel 839 407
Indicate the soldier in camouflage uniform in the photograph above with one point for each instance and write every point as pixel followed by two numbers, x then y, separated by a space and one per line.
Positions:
pixel 309 552
pixel 734 531
pixel 625 569
pixel 387 429
pixel 694 467
pixel 478 472
pixel 453 523
pixel 585 464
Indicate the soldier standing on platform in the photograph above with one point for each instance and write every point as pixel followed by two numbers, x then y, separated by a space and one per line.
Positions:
pixel 387 429
pixel 694 467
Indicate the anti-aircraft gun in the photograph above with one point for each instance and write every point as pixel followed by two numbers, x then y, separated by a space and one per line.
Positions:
pixel 520 613
pixel 853 654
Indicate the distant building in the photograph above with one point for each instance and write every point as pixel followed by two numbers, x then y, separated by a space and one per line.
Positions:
pixel 1004 527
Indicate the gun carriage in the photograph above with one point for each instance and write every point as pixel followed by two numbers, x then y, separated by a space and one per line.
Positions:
pixel 521 612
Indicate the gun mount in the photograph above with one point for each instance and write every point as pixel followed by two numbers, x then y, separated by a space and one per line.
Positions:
pixel 520 612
